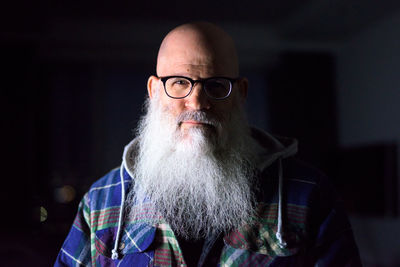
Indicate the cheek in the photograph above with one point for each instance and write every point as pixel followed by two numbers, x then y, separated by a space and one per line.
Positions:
pixel 225 110
pixel 173 106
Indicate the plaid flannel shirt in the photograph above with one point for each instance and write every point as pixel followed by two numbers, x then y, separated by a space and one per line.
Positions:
pixel 316 228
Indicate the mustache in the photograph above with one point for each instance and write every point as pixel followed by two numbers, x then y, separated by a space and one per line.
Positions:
pixel 199 116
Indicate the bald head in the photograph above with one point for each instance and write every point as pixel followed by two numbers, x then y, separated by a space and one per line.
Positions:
pixel 201 49
pixel 197 51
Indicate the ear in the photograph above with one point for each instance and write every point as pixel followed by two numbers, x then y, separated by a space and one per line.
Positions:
pixel 152 85
pixel 243 86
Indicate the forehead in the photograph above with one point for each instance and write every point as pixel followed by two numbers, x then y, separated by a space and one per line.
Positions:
pixel 185 53
pixel 188 60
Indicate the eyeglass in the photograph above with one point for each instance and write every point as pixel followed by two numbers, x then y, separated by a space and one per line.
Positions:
pixel 215 87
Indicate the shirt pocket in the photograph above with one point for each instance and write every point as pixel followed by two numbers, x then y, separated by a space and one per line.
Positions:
pixel 259 244
pixel 133 246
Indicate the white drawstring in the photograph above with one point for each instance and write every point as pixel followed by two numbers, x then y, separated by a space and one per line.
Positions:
pixel 279 232
pixel 114 255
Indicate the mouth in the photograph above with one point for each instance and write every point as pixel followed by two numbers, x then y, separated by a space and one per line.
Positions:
pixel 198 120
pixel 193 123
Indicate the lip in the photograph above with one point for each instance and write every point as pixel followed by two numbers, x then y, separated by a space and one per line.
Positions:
pixel 193 122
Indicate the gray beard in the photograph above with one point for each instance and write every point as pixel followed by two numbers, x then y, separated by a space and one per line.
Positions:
pixel 199 185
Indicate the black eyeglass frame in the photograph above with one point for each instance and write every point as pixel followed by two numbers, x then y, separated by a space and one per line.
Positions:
pixel 202 81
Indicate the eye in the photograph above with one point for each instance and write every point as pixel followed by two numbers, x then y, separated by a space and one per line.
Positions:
pixel 217 87
pixel 182 82
pixel 177 86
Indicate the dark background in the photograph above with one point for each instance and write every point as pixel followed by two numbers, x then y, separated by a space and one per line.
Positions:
pixel 74 79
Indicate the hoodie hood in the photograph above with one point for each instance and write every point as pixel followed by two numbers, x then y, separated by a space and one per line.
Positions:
pixel 272 147
pixel 129 155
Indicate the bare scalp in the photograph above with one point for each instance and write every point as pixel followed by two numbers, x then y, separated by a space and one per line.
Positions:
pixel 199 45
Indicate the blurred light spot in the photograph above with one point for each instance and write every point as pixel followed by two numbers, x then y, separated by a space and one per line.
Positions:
pixel 43 214
pixel 64 194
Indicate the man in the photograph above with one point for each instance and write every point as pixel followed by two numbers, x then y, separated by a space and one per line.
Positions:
pixel 199 187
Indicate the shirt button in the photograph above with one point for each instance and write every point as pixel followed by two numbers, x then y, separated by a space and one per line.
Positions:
pixel 122 246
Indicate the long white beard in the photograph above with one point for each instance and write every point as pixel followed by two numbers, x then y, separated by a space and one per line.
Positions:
pixel 200 185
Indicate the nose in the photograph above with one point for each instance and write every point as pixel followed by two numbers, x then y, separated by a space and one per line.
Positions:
pixel 197 99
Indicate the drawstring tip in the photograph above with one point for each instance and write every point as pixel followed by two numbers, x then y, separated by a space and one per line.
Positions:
pixel 281 242
pixel 114 254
